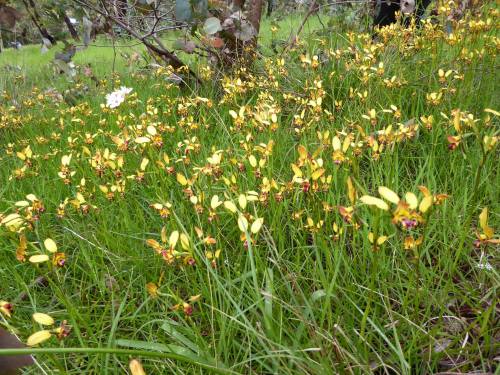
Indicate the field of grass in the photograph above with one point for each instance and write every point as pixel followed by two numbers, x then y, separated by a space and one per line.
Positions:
pixel 330 211
pixel 20 70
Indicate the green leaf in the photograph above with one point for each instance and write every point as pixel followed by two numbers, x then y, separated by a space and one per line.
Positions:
pixel 212 25
pixel 157 347
pixel 168 327
pixel 164 348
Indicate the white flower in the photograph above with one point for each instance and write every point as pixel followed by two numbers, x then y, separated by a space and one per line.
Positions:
pixel 125 90
pixel 117 97
pixel 483 263
pixel 485 266
pixel 114 99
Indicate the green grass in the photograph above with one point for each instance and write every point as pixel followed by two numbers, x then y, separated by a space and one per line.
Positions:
pixel 300 298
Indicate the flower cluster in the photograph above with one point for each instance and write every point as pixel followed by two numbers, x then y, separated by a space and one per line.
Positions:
pixel 117 97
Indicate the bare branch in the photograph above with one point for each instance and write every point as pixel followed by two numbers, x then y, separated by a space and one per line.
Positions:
pixel 166 56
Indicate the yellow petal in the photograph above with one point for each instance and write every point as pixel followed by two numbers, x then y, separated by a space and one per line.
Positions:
pixel 351 191
pixel 242 201
pixel 14 220
pixel 184 241
pixel 336 143
pixel 317 173
pixel 483 222
pixel 381 240
pixel 151 130
pixel 163 234
pixel 174 237
pixel 199 232
pixel 251 197
pixel 44 319
pixel 215 202
pixel 195 298
pixel 230 206
pixel 65 160
pixel 5 308
pixel 243 223
pixel 256 225
pixel 181 179
pixel 388 194
pixel 141 140
pixel 296 171
pixel 483 218
pixel 252 160
pixel 373 201
pixel 412 200
pixel 22 204
pixel 346 144
pixel 136 367
pixel 492 111
pixel 80 198
pixel 302 152
pixel 424 190
pixel 50 245
pixel 38 337
pixel 152 289
pixel 39 258
pixel 426 203
pixel 144 164
pixel 371 237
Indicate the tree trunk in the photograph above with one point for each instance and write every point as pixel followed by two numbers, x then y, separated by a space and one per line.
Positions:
pixel 255 14
pixel 238 4
pixel 71 28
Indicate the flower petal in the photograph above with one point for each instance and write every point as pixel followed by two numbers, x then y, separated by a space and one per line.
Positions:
pixel 243 223
pixel 412 200
pixel 174 237
pixel 44 319
pixel 230 206
pixel 388 194
pixel 50 245
pixel 426 203
pixel 483 223
pixel 38 337
pixel 373 201
pixel 181 179
pixel 136 367
pixel 242 201
pixel 381 240
pixel 12 221
pixel 184 241
pixel 215 202
pixel 141 140
pixel 40 258
pixel 256 225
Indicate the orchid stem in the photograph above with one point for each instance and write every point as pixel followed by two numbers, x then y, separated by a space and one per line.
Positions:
pixel 116 351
